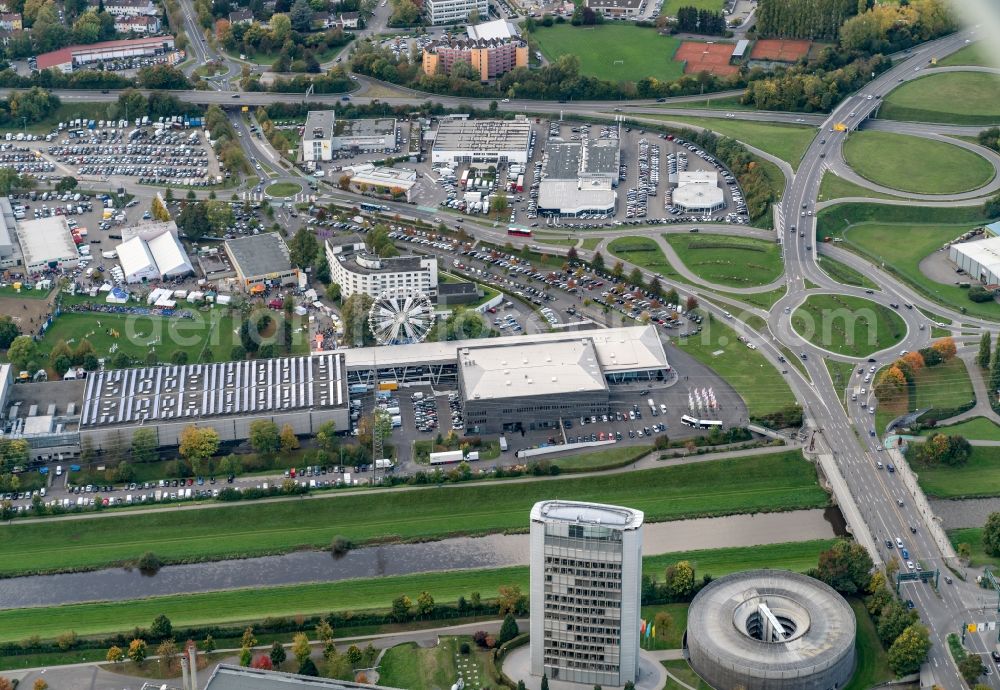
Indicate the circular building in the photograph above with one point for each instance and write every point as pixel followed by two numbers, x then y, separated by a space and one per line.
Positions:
pixel 771 629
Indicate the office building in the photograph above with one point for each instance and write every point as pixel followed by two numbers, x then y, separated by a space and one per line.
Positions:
pixel 698 191
pixel 324 135
pixel 454 11
pixel 261 262
pixel 617 9
pixel 460 140
pixel 357 271
pixel 385 183
pixel 47 243
pixel 586 577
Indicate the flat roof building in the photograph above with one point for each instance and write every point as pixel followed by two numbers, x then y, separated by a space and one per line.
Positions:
pixel 576 197
pixel 71 57
pixel 388 183
pixel 580 177
pixel 8 254
pixel 47 243
pixel 226 396
pixel 324 135
pixel 261 261
pixel 496 30
pixel 482 141
pixel 980 259
pixel 228 677
pixel 585 588
pixel 617 9
pixel 357 271
pixel 698 191
pixel 454 11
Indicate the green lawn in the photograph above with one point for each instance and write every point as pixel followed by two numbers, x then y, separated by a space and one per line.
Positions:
pixel 872 664
pixel 840 373
pixel 353 595
pixel 671 637
pixel 23 293
pixel 973 536
pixel 729 260
pixel 901 237
pixel 764 300
pixel 971 54
pixel 718 103
pixel 602 459
pixel 591 243
pixel 980 476
pixel 945 386
pixel 671 6
pixel 283 189
pixel 848 325
pixel 915 164
pixel 787 142
pixel 760 483
pixel 681 670
pixel 961 98
pixel 762 387
pixel 557 241
pixel 614 51
pixel 843 273
pixel 644 252
pixel 834 187
pixel 975 429
pixel 419 668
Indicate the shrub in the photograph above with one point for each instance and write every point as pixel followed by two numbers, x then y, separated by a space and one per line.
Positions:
pixel 464 648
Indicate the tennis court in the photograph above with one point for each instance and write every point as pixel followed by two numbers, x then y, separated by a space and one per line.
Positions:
pixel 706 57
pixel 776 50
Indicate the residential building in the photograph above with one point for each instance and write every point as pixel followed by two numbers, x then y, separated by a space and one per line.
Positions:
pixel 346 20
pixel 131 8
pixel 141 24
pixel 490 58
pixel 241 17
pixel 10 21
pixel 454 11
pixel 617 9
pixel 324 135
pixel 585 587
pixel 357 271
pixel 261 261
pixel 460 140
pixel 47 243
pixel 69 58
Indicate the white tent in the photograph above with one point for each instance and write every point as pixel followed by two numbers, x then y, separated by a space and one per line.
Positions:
pixel 170 257
pixel 137 261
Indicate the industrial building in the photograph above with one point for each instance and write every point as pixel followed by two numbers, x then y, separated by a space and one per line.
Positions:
pixel 9 256
pixel 460 140
pixel 579 177
pixel 324 135
pixel 771 630
pixel 698 191
pixel 47 243
pixel 69 58
pixel 454 11
pixel 617 9
pixel 386 183
pixel 585 589
pixel 152 251
pixel 304 392
pixel 229 677
pixel 44 414
pixel 980 259
pixel 493 49
pixel 261 261
pixel 357 271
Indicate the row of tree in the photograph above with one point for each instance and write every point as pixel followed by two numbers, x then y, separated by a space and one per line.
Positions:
pixel 691 20
pixel 805 19
pixel 896 380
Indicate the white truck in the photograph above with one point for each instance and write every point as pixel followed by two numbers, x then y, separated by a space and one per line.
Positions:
pixel 473 455
pixel 384 464
pixel 503 444
pixel 445 457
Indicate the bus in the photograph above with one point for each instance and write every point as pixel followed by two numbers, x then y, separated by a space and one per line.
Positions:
pixel 519 232
pixel 373 208
pixel 700 423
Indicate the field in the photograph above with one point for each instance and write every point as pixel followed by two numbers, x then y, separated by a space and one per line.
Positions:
pixel 975 429
pixel 601 459
pixel 843 273
pixel 731 261
pixel 644 252
pixel 670 7
pixel 834 187
pixel 418 668
pixel 980 476
pixel 969 55
pixel 354 595
pixel 761 386
pixel 283 189
pixel 961 98
pixel 945 386
pixel 915 164
pixel 701 56
pixel 848 325
pixel 787 142
pixel 616 52
pixel 764 300
pixel 973 536
pixel 779 481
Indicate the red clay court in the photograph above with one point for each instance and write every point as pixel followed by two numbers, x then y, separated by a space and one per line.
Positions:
pixel 779 50
pixel 706 57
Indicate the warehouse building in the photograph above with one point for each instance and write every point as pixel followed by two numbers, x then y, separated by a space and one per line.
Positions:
pixel 454 11
pixel 461 140
pixel 493 49
pixel 324 135
pixel 69 58
pixel 980 259
pixel 580 177
pixel 585 589
pixel 304 392
pixel 357 271
pixel 698 191
pixel 152 251
pixel 261 262
pixel 47 243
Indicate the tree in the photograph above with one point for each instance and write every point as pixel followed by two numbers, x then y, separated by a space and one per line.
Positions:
pixel 8 331
pixel 401 607
pixel 326 438
pixel 159 210
pixel 144 445
pixel 891 383
pixel 945 347
pixel 289 441
pixel 248 639
pixel 679 580
pixel 5 684
pixel 161 628
pixel 508 629
pixel 846 566
pixel 300 648
pixel 301 15
pixel 265 438
pixel 193 221
pixel 354 655
pixel 116 655
pixel 499 204
pixel 893 619
pixel 167 651
pixel 308 668
pixel 23 353
pixel 137 651
pixel 304 247
pixel 425 604
pixel 964 550
pixel 277 654
pixel 354 314
pixel 39 684
pixel 246 656
pixel 198 443
pixel 663 622
pixel 991 535
pixel 510 600
pixel 618 271
pixel 909 650
pixel 985 346
pixel 971 667
pixel 635 277
pixel 263 662
pixel 208 644
pixel 691 303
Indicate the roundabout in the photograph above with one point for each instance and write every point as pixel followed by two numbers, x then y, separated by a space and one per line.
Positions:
pixel 283 189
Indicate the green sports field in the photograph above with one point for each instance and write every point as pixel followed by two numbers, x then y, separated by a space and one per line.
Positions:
pixel 915 164
pixel 961 98
pixel 615 52
pixel 848 325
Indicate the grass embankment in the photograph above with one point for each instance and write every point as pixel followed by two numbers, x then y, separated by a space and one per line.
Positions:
pixel 980 476
pixel 236 606
pixel 915 164
pixel 761 386
pixel 960 98
pixel 616 52
pixel 728 260
pixel 787 142
pixel 975 429
pixel 946 386
pixel 973 536
pixel 848 325
pixel 764 300
pixel 971 54
pixel 900 237
pixel 843 273
pixel 773 482
pixel 422 668
pixel 834 187
pixel 643 252
pixel 840 373
pixel 682 671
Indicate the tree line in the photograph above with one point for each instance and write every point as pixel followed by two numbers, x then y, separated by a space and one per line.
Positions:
pixel 691 20
pixel 805 19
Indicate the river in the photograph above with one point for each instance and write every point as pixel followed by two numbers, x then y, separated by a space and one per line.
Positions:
pixel 492 551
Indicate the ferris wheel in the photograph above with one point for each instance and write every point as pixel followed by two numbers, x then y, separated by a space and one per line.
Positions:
pixel 399 317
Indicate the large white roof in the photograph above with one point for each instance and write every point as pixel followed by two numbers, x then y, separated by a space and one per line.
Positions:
pixel 134 256
pixel 497 29
pixel 46 239
pixel 170 257
pixel 986 253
